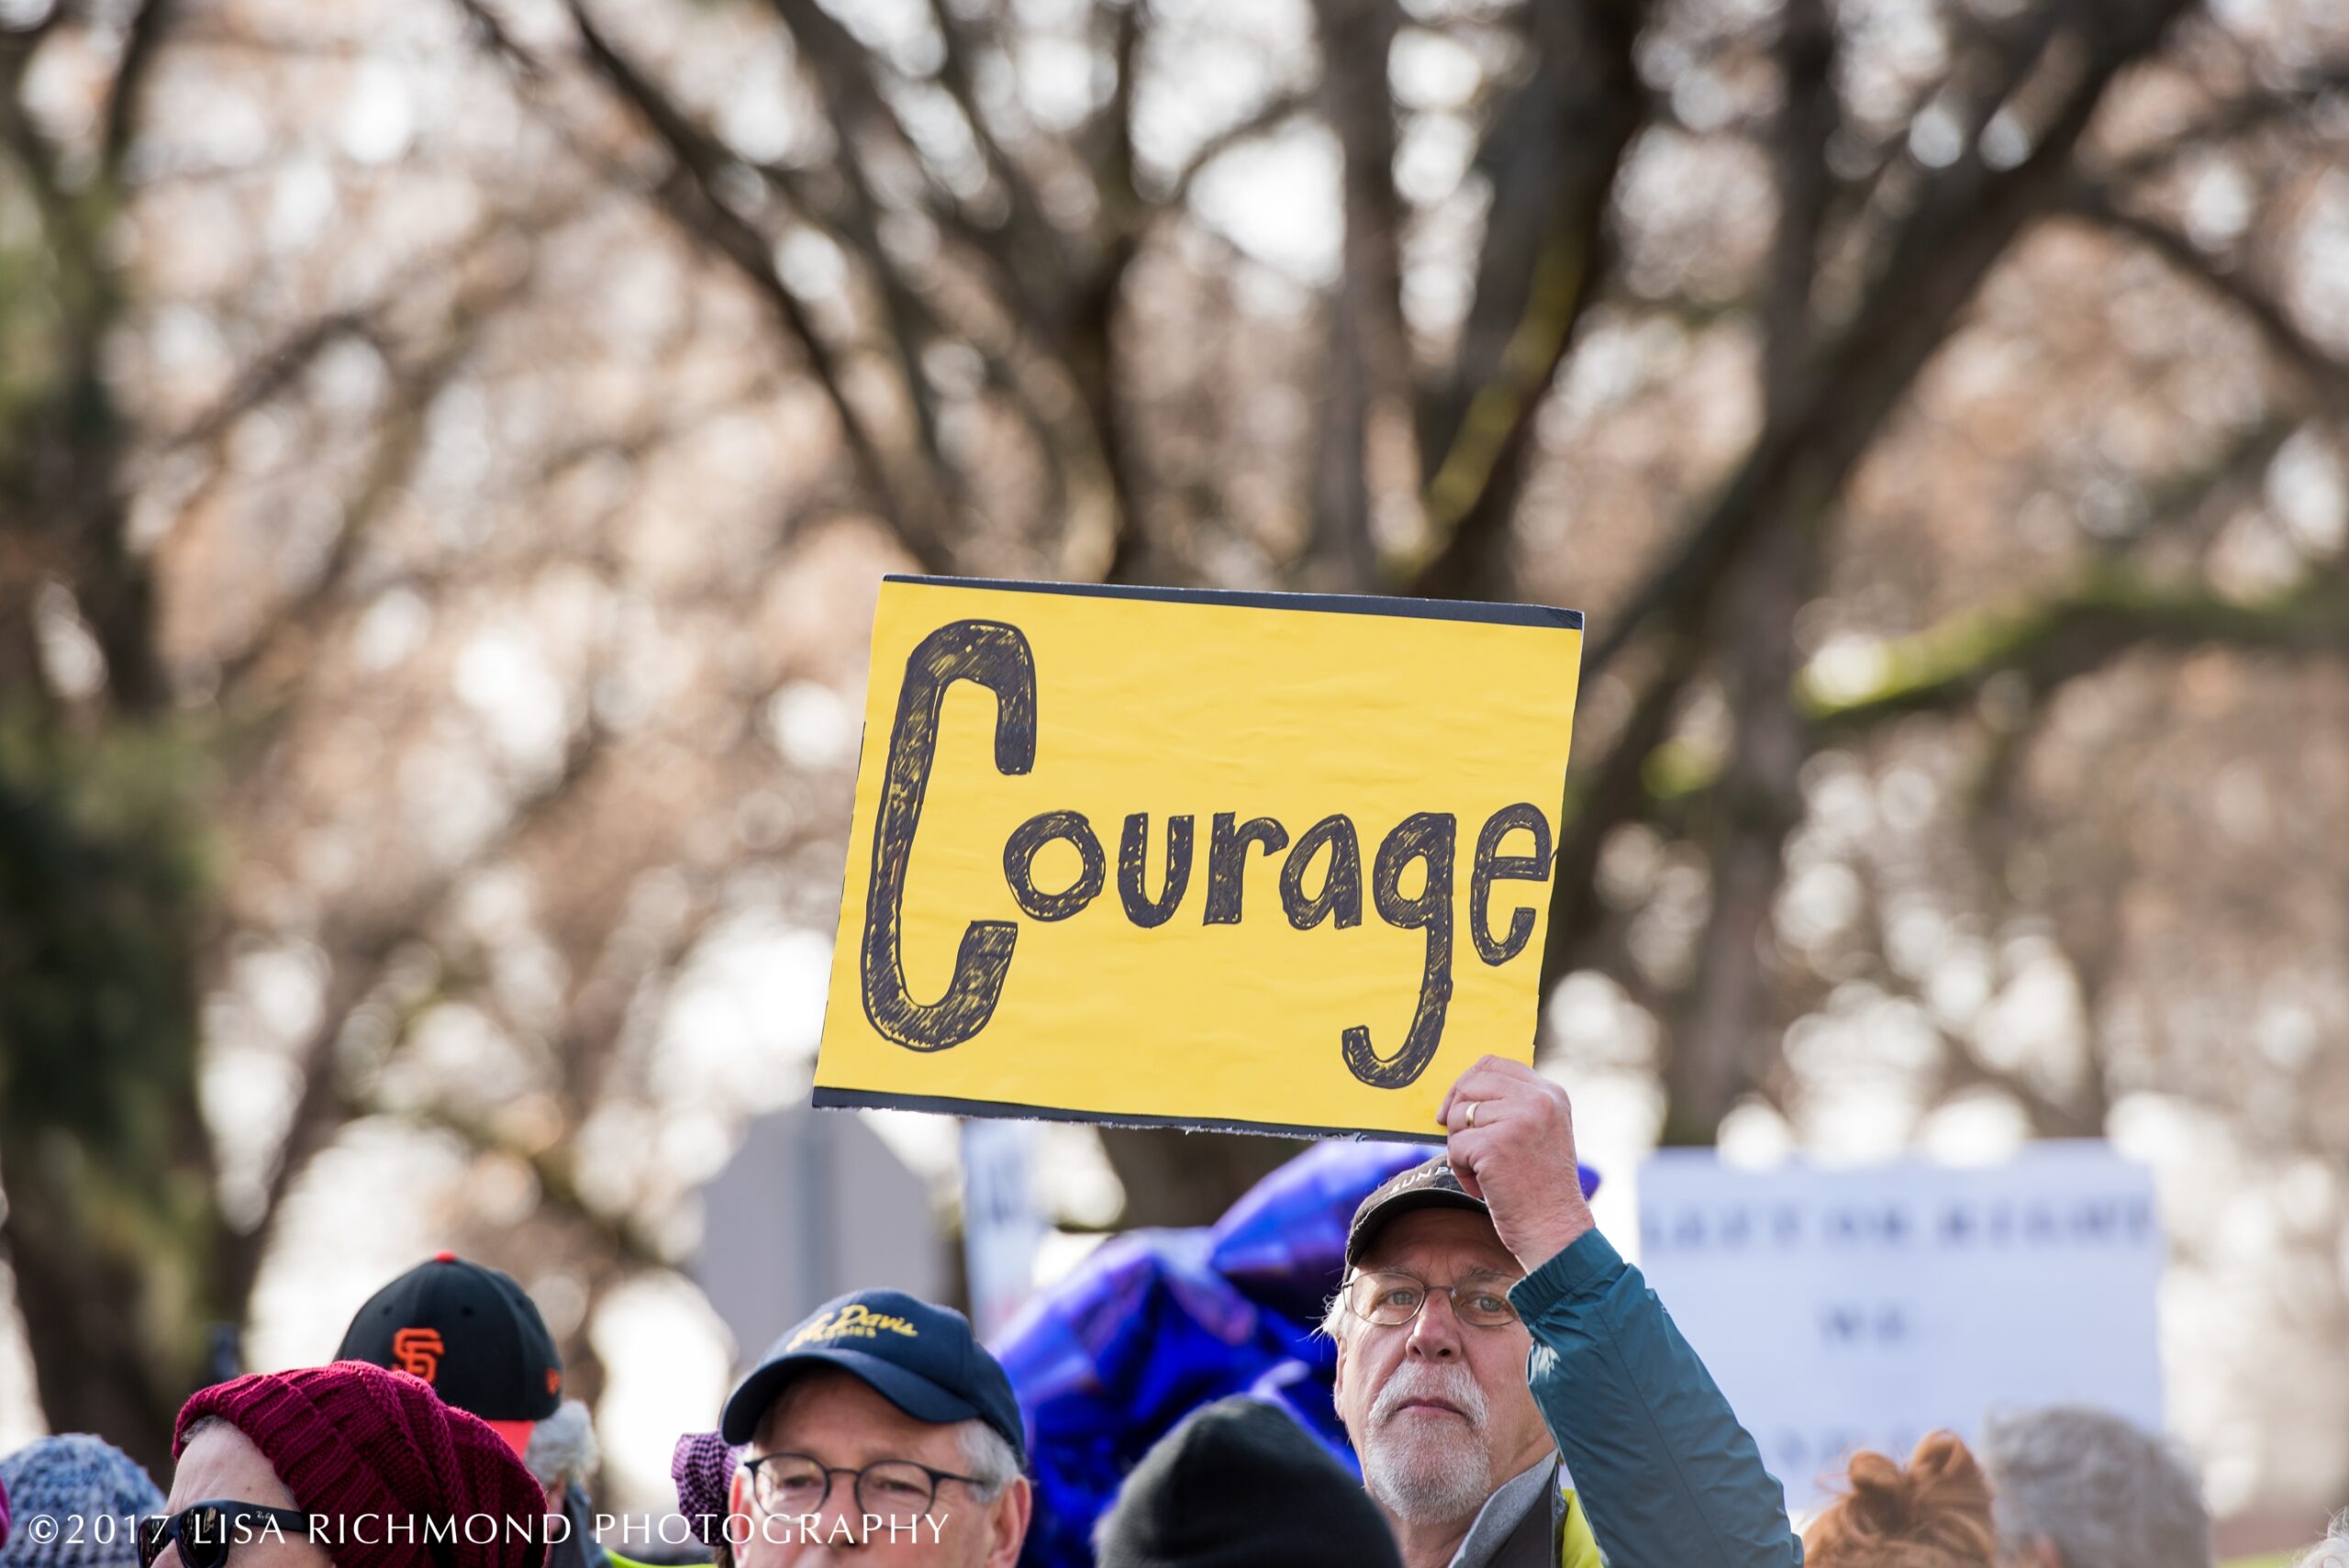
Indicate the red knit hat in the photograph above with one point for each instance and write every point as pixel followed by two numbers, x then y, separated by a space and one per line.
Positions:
pixel 361 1445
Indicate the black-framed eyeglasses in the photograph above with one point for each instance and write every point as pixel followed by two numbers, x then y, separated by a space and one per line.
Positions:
pixel 796 1483
pixel 1391 1298
pixel 206 1532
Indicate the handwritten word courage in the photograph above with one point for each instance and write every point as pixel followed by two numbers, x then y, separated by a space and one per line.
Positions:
pixel 997 656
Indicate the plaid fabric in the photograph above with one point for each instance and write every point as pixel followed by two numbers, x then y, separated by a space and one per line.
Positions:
pixel 703 1468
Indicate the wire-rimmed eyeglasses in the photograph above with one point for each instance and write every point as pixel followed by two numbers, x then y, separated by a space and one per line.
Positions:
pixel 1391 1298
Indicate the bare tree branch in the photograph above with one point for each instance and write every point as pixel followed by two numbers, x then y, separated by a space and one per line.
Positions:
pixel 1266 117
pixel 1808 121
pixel 1616 794
pixel 1552 157
pixel 1718 1048
pixel 2066 636
pixel 851 80
pixel 689 194
pixel 2327 376
pixel 2237 116
pixel 273 372
pixel 1092 353
pixel 1963 1067
pixel 958 75
pixel 17 135
pixel 490 28
pixel 2044 643
pixel 361 963
pixel 1964 226
pixel 1369 351
pixel 289 642
pixel 140 46
pixel 556 1170
pixel 852 103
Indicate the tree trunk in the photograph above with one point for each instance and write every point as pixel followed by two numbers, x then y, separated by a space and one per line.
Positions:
pixel 1369 378
pixel 86 1296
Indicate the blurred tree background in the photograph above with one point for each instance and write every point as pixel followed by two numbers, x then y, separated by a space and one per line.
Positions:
pixel 448 447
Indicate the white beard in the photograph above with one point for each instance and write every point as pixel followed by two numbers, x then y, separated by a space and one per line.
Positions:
pixel 1427 1476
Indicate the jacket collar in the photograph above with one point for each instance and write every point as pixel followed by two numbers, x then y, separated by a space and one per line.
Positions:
pixel 1508 1509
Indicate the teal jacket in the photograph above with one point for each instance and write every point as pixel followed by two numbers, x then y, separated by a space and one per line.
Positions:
pixel 1666 1476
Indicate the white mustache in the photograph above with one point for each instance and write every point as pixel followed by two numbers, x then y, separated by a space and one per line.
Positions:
pixel 1432 1380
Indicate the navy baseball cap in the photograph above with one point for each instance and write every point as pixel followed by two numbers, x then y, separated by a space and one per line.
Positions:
pixel 1431 1185
pixel 920 1358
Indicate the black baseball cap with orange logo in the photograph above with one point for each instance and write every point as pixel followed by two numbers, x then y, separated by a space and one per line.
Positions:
pixel 472 1333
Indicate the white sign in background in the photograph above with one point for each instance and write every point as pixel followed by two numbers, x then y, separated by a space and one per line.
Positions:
pixel 1864 1307
pixel 1002 1223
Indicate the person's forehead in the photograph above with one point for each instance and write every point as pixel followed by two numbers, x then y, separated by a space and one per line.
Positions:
pixel 1444 1239
pixel 222 1462
pixel 842 1419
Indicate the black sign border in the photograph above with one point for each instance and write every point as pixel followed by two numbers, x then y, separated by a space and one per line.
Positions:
pixel 1470 610
pixel 946 1105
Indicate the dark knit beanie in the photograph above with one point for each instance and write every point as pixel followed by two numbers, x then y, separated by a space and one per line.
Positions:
pixel 367 1448
pixel 1240 1485
pixel 79 1478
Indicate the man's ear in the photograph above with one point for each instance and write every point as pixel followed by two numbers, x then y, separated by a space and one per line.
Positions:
pixel 1007 1523
pixel 738 1493
pixel 1338 1381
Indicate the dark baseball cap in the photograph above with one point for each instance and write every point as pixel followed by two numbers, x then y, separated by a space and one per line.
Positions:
pixel 1430 1185
pixel 472 1333
pixel 920 1358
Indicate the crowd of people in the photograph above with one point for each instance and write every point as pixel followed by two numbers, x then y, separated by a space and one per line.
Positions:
pixel 1515 1394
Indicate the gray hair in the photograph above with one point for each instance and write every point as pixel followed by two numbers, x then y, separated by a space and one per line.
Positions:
pixel 562 1446
pixel 1334 1316
pixel 987 1455
pixel 2332 1551
pixel 2105 1494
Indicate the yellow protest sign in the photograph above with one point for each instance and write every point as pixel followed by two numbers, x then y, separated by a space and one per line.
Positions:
pixel 1261 860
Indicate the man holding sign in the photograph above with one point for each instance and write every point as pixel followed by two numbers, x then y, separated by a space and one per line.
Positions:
pixel 1332 822
pixel 1518 1396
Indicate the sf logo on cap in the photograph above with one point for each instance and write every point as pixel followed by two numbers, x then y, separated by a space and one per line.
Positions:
pixel 419 1350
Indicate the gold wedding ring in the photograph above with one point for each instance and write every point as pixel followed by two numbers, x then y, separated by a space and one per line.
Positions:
pixel 1471 1113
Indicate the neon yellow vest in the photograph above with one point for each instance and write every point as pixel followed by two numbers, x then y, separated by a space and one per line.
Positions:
pixel 1578 1547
